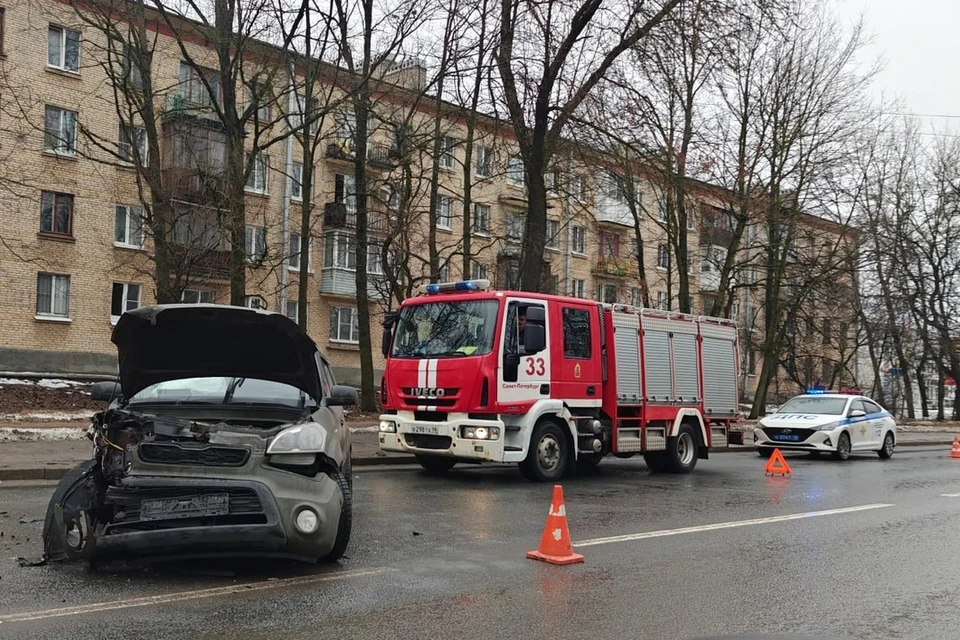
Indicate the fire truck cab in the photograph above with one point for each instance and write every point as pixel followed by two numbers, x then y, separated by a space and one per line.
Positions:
pixel 553 383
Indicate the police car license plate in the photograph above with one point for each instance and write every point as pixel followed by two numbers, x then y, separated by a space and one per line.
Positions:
pixel 428 429
pixel 786 438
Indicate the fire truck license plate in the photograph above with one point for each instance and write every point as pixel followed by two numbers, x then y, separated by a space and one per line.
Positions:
pixel 426 429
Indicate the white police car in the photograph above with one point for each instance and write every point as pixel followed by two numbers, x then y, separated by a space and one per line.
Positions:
pixel 818 421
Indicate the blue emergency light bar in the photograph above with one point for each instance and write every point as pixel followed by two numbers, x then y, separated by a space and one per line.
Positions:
pixel 450 287
pixel 816 391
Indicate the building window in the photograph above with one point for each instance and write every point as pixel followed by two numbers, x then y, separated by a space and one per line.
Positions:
pixel 63 49
pixel 636 300
pixel 481 219
pixel 296 181
pixel 345 126
pixel 374 264
pixel 340 251
pixel 255 243
pixel 516 225
pixel 663 302
pixel 607 293
pixel 552 285
pixel 198 296
pixel 663 257
pixel 200 87
pixel 257 179
pixel 343 325
pixel 484 164
pixel 345 192
pixel 444 274
pixel 578 187
pixel 56 213
pixel 293 252
pixel 390 197
pixel 3 28
pixel 128 227
pixel 303 109
pixel 60 130
pixel 580 240
pixel 132 145
pixel 260 94
pixel 515 171
pixel 576 333
pixel 609 244
pixel 292 310
pixel 198 228
pixel 553 234
pixel 478 271
pixel 447 152
pixel 662 208
pixel 827 329
pixel 444 206
pixel 614 188
pixel 577 288
pixel 126 297
pixel 132 74
pixel 550 180
pixel 53 295
pixel 254 302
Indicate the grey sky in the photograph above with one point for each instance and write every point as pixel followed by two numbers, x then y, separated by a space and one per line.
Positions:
pixel 918 44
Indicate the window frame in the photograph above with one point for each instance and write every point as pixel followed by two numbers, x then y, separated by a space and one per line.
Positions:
pixel 582 230
pixel 478 271
pixel 485 230
pixel 553 239
pixel 447 159
pixel 125 299
pixel 663 257
pixel 344 244
pixel 125 128
pixel 448 216
pixel 294 265
pixel 261 169
pixel 69 148
pixel 296 181
pixel 53 214
pixel 484 161
pixel 250 237
pixel 128 226
pixel 354 325
pixel 201 294
pixel 51 314
pixel 513 163
pixel 62 63
pixel 663 302
pixel 575 330
pixel 578 288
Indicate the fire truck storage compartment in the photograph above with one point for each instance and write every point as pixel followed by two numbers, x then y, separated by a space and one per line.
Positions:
pixel 670 359
pixel 720 369
pixel 626 336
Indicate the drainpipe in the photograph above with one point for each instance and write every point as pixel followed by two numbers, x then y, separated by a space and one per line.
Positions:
pixel 285 220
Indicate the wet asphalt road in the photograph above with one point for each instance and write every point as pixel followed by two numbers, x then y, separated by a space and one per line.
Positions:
pixel 444 558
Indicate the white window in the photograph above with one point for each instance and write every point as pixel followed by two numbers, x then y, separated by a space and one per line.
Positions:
pixel 578 287
pixel 478 271
pixel 260 93
pixel 257 180
pixel 131 71
pixel 343 325
pixel 199 87
pixel 578 187
pixel 553 234
pixel 444 206
pixel 691 219
pixel 484 164
pixel 340 251
pixel 254 302
pixel 391 197
pixel 374 264
pixel 481 219
pixel 447 152
pixel 663 257
pixel 198 296
pixel 580 240
pixel 128 227
pixel 444 274
pixel 255 243
pixel 60 130
pixel 303 109
pixel 296 181
pixel 63 49
pixel 613 187
pixel 550 180
pixel 663 209
pixel 515 171
pixel 126 297
pixel 345 192
pixel 516 225
pixel 292 310
pixel 132 145
pixel 293 253
pixel 689 260
pixel 607 293
pixel 53 295
pixel 636 299
pixel 713 258
pixel 663 302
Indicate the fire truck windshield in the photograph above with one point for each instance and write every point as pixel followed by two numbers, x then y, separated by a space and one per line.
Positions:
pixel 442 329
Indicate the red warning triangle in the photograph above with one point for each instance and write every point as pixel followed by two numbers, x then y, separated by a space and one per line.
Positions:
pixel 776 465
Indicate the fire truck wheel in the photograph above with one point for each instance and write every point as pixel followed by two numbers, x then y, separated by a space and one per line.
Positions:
pixel 682 450
pixel 436 464
pixel 656 461
pixel 548 455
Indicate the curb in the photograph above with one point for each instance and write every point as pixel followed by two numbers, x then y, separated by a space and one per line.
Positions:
pixel 752 449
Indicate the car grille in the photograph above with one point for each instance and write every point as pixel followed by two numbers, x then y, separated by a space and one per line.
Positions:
pixel 448 399
pixel 788 435
pixel 184 453
pixel 243 508
pixel 421 441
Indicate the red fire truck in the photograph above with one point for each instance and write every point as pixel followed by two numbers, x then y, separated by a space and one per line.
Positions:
pixel 553 383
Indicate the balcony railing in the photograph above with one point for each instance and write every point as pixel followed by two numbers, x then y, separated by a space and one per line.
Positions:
pixel 616 267
pixel 193 185
pixel 379 156
pixel 336 215
pixel 204 265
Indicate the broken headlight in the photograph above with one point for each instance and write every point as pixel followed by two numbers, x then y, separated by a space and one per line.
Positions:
pixel 303 438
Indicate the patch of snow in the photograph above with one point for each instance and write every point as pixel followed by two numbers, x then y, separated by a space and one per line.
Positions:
pixel 54 416
pixel 370 429
pixel 57 383
pixel 16 434
pixel 15 381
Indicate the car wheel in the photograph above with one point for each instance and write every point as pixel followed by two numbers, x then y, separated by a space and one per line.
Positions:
pixel 587 462
pixel 345 523
pixel 656 461
pixel 886 451
pixel 843 447
pixel 765 452
pixel 681 451
pixel 436 464
pixel 548 455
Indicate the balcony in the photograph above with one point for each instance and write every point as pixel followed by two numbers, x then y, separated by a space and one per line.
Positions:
pixel 337 215
pixel 193 185
pixel 613 211
pixel 710 280
pixel 616 267
pixel 379 156
pixel 338 281
pixel 717 236
pixel 202 265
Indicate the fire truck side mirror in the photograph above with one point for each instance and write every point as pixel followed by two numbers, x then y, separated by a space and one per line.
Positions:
pixel 536 315
pixel 388 321
pixel 534 338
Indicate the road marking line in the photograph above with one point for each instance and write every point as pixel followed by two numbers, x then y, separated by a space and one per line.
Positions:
pixel 166 598
pixel 950 495
pixel 726 525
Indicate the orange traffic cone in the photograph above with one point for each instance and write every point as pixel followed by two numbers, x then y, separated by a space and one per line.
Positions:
pixel 955 452
pixel 555 544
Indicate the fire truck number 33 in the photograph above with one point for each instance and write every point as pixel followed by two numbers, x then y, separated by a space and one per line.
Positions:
pixel 536 367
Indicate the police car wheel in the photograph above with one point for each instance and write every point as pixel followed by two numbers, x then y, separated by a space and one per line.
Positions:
pixel 886 451
pixel 843 447
pixel 765 452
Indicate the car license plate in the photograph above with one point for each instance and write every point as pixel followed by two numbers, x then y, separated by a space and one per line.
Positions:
pixel 786 438
pixel 216 504
pixel 425 429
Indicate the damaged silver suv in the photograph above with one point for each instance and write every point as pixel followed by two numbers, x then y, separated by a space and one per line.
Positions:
pixel 224 436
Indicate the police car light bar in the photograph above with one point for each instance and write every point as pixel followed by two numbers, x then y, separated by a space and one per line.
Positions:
pixel 451 287
pixel 816 391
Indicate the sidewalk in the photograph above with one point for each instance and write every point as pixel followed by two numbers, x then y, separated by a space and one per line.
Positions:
pixel 51 459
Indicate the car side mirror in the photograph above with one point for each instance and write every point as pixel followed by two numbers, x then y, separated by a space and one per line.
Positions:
pixel 857 413
pixel 106 391
pixel 534 338
pixel 341 396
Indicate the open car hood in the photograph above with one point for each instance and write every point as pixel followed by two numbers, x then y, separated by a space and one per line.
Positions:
pixel 172 342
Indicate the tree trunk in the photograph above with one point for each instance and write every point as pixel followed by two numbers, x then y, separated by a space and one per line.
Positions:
pixel 535 233
pixel 922 390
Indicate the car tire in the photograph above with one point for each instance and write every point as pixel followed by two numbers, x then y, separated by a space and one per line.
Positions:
pixel 765 452
pixel 549 454
pixel 345 524
pixel 886 451
pixel 656 461
pixel 436 464
pixel 681 450
pixel 843 447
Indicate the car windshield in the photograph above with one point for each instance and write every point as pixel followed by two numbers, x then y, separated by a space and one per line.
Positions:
pixel 221 391
pixel 441 329
pixel 815 405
